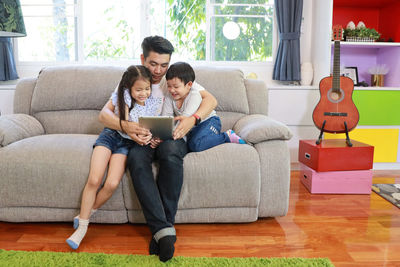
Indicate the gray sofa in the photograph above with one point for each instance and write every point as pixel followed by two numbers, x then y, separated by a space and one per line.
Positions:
pixel 45 150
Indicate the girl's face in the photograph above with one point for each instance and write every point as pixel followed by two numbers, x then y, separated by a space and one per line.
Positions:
pixel 140 91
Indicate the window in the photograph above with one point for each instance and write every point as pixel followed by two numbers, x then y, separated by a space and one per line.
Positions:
pixel 50 27
pixel 103 30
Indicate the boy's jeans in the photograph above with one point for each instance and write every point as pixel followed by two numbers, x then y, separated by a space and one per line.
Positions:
pixel 206 135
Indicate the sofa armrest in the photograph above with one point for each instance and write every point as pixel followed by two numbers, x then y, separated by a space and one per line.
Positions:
pixel 14 127
pixel 257 128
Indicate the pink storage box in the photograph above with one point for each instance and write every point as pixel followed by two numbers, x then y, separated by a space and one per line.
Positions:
pixel 336 182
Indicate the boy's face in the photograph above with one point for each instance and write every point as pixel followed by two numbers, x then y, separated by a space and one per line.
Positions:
pixel 178 89
pixel 140 91
pixel 157 64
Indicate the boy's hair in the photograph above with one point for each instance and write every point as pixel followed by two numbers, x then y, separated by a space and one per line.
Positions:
pixel 156 44
pixel 130 76
pixel 181 70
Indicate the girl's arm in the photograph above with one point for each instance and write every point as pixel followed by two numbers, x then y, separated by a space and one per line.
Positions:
pixel 126 113
pixel 108 118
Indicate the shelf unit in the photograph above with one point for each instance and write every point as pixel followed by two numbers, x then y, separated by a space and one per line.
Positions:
pixel 382 16
pixel 379 123
pixel 378 109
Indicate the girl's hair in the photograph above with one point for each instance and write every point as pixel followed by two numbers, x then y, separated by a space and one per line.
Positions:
pixel 130 76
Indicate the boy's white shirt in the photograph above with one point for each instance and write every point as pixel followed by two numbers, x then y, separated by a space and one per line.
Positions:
pixel 190 105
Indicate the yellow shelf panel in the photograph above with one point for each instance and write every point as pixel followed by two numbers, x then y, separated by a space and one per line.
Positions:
pixel 385 142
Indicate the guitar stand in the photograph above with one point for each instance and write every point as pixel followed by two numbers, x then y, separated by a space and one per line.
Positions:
pixel 321 133
pixel 348 142
pixel 347 136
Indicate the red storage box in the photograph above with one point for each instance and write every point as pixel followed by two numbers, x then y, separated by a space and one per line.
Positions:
pixel 336 182
pixel 335 155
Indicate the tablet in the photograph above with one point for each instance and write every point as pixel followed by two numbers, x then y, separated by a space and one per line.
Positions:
pixel 160 126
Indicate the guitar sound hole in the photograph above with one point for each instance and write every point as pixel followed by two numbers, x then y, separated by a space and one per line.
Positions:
pixel 335 96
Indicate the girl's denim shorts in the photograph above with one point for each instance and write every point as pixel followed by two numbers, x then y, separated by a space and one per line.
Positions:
pixel 112 140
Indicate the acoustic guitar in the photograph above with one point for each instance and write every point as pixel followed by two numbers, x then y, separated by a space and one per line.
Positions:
pixel 335 111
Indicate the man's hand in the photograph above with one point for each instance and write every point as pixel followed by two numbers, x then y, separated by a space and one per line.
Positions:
pixel 154 142
pixel 184 126
pixel 141 139
pixel 132 128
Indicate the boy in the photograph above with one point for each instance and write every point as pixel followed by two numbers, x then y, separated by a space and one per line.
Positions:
pixel 184 100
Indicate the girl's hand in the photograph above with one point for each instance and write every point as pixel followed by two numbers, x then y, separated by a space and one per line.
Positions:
pixel 155 142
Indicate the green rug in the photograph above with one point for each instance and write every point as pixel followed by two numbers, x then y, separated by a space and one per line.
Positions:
pixel 42 258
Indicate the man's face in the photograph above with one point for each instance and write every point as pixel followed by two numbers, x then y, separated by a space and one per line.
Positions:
pixel 157 64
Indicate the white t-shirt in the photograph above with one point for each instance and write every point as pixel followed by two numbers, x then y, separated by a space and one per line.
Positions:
pixel 190 105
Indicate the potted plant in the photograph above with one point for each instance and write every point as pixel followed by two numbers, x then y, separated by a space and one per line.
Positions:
pixel 361 34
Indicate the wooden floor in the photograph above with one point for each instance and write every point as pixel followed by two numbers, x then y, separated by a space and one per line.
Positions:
pixel 350 230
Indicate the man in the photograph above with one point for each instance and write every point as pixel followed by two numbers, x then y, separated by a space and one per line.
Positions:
pixel 159 199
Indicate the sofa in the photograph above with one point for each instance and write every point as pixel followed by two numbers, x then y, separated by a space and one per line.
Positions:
pixel 46 145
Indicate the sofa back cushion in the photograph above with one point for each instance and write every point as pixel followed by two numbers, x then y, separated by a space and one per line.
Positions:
pixel 227 85
pixel 68 99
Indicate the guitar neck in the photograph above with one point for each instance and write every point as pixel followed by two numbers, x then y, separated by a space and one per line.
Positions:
pixel 336 67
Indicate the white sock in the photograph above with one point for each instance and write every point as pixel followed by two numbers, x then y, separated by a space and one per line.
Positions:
pixel 76 218
pixel 75 239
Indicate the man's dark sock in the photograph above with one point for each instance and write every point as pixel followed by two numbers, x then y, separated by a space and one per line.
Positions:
pixel 167 248
pixel 153 247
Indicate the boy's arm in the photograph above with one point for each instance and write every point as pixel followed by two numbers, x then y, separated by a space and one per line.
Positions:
pixel 108 118
pixel 207 105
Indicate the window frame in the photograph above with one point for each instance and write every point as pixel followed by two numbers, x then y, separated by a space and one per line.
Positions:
pixel 35 66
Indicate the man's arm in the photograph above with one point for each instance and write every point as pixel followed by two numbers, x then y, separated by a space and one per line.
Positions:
pixel 208 104
pixel 108 118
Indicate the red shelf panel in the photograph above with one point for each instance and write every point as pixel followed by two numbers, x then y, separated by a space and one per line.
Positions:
pixel 380 15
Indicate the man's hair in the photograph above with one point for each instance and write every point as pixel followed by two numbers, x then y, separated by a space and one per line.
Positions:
pixel 156 44
pixel 181 70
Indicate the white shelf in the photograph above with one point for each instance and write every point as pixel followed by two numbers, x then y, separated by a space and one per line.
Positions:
pixel 369 44
pixel 360 88
pixel 292 87
pixel 7 86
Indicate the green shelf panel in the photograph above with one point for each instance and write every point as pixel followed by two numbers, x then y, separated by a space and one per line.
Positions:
pixel 378 107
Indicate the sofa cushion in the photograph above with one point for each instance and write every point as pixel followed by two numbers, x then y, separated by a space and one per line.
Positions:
pixel 81 89
pixel 228 119
pixel 72 121
pixel 48 171
pixel 74 87
pixel 257 128
pixel 224 176
pixel 14 127
pixel 227 86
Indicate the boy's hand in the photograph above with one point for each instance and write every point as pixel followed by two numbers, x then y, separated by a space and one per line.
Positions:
pixel 155 142
pixel 184 126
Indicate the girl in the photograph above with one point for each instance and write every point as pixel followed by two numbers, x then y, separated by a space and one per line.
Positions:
pixel 111 147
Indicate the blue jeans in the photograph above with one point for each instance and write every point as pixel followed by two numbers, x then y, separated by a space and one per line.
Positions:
pixel 112 140
pixel 158 198
pixel 206 135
